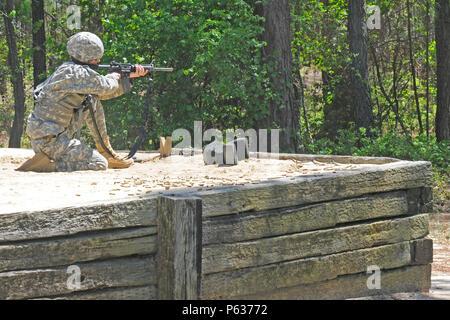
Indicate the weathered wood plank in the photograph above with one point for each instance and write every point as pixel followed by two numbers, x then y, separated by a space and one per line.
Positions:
pixel 47 282
pixel 323 158
pixel 247 226
pixel 250 281
pixel 72 220
pixel 299 157
pixel 179 247
pixel 420 200
pixel 229 256
pixel 422 251
pixel 127 293
pixel 407 279
pixel 87 247
pixel 316 188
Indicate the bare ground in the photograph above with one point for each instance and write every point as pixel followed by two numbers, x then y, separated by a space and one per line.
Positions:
pixel 440 273
pixel 23 191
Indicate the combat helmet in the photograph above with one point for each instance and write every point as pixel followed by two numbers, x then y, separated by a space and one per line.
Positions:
pixel 85 46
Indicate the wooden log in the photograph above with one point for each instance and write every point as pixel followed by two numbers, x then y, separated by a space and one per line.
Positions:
pixel 251 281
pixel 87 247
pixel 407 279
pixel 73 220
pixel 310 189
pixel 179 247
pixel 323 158
pixel 125 293
pixel 247 226
pixel 229 256
pixel 422 251
pixel 54 281
pixel 420 200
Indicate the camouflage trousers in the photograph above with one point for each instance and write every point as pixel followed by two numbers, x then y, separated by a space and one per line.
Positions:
pixel 71 154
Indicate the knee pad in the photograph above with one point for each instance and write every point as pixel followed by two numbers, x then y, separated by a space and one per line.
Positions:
pixel 99 161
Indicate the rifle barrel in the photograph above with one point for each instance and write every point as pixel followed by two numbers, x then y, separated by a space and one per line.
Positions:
pixel 149 67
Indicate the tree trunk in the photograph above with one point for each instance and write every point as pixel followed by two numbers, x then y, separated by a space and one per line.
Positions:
pixel 16 78
pixel 277 34
pixel 383 91
pixel 299 93
pixel 39 61
pixel 443 69
pixel 358 37
pixel 427 66
pixel 395 83
pixel 339 113
pixel 300 98
pixel 338 110
pixel 413 68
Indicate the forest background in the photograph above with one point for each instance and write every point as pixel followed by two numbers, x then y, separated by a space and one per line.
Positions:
pixel 363 78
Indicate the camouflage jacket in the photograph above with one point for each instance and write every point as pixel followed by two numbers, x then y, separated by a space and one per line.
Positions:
pixel 58 97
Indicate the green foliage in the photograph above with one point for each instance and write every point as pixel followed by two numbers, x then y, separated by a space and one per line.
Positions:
pixel 391 144
pixel 219 76
pixel 214 49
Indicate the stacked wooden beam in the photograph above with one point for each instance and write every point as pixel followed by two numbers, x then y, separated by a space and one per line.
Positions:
pixel 312 237
pixel 317 237
pixel 114 246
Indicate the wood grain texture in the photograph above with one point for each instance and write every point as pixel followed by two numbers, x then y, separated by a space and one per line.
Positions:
pixel 422 251
pixel 406 279
pixel 179 247
pixel 248 226
pixel 323 158
pixel 230 256
pixel 252 281
pixel 87 247
pixel 52 281
pixel 125 293
pixel 420 200
pixel 310 189
pixel 73 220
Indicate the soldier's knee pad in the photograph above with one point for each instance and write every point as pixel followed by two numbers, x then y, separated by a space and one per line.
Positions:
pixel 100 161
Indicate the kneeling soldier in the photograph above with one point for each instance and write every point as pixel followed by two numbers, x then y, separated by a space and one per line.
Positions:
pixel 59 112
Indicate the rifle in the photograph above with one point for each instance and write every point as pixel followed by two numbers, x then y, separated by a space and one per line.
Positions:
pixel 124 69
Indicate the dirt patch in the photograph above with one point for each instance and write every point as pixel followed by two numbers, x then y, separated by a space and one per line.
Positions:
pixel 23 191
pixel 440 233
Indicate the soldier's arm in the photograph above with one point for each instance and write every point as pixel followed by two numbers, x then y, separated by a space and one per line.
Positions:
pixel 88 81
pixel 124 85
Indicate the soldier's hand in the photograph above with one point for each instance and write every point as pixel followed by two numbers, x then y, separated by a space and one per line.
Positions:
pixel 140 71
pixel 116 75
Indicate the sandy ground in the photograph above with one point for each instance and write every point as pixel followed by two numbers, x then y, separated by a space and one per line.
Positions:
pixel 23 191
pixel 440 233
pixel 440 272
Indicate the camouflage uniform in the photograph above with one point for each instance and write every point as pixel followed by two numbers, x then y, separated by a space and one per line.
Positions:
pixel 57 114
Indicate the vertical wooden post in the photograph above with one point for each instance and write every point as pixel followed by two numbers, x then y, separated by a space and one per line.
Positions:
pixel 179 247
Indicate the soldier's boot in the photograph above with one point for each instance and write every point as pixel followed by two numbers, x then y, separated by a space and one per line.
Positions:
pixel 39 163
pixel 114 161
